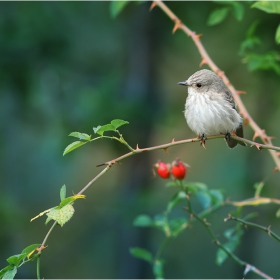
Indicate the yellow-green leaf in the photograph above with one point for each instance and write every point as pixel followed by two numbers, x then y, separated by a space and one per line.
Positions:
pixel 73 146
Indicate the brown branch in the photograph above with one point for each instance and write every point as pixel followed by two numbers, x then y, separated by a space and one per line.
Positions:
pixel 207 60
pixel 191 140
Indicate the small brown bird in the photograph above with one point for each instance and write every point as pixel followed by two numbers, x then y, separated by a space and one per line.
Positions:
pixel 210 108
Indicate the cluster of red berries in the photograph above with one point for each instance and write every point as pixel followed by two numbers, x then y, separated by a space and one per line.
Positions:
pixel 178 169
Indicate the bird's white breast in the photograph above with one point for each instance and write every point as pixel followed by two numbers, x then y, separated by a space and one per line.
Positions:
pixel 210 113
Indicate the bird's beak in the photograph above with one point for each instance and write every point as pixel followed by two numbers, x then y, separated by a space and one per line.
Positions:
pixel 185 83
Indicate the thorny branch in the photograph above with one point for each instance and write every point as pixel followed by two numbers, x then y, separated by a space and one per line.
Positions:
pixel 207 60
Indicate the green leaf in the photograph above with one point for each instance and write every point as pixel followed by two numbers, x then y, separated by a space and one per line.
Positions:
pixel 222 255
pixel 73 146
pixel 238 10
pixel 62 215
pixel 5 269
pixel 10 274
pixel 62 192
pixel 158 268
pixel 66 201
pixel 101 129
pixel 117 123
pixel 277 35
pixel 116 7
pixel 217 16
pixel 177 226
pixel 197 187
pixel 30 248
pixel 143 221
pixel 141 253
pixel 171 184
pixel 177 198
pixel 216 196
pixel 95 129
pixel 81 136
pixel 272 7
pixel 267 61
pixel 15 260
pixel 204 198
pixel 278 213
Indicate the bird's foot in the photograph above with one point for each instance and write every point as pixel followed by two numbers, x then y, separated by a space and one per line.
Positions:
pixel 228 136
pixel 202 140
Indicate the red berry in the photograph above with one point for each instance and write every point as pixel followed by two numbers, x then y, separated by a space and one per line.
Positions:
pixel 163 169
pixel 179 170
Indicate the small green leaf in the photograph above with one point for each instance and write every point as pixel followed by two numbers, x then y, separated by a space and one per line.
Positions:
pixel 143 221
pixel 177 198
pixel 73 146
pixel 5 269
pixel 95 129
pixel 277 35
pixel 15 260
pixel 62 192
pixel 101 129
pixel 158 268
pixel 204 198
pixel 171 184
pixel 117 123
pixel 196 187
pixel 278 213
pixel 216 196
pixel 141 253
pixel 81 136
pixel 10 274
pixel 222 255
pixel 30 248
pixel 62 215
pixel 238 10
pixel 272 7
pixel 116 7
pixel 217 16
pixel 66 201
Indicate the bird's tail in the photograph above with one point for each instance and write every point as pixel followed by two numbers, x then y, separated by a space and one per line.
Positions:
pixel 232 142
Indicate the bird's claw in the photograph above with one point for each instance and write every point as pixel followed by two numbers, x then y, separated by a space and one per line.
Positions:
pixel 203 140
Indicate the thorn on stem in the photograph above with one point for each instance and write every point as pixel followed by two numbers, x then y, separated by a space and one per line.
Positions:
pixel 203 61
pixel 275 169
pixel 166 150
pixel 176 26
pixel 153 5
pixel 240 92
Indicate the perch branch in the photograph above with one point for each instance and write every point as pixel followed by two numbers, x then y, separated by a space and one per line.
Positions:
pixel 207 60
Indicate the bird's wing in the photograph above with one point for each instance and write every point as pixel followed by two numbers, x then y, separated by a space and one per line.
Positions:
pixel 229 98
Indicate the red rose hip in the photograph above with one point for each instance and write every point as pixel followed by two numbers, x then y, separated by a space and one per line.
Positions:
pixel 179 169
pixel 163 169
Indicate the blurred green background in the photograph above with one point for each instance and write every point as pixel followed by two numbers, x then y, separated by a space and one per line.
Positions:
pixel 69 66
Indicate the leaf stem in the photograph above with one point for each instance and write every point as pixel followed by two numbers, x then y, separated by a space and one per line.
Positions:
pixel 248 267
pixel 40 249
pixel 266 229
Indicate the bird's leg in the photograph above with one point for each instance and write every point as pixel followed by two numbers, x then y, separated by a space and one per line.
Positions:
pixel 228 136
pixel 202 140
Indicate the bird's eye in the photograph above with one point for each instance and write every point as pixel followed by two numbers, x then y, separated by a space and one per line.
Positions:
pixel 198 85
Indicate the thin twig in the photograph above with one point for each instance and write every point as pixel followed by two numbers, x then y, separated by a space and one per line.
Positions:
pixel 248 267
pixel 207 60
pixel 266 229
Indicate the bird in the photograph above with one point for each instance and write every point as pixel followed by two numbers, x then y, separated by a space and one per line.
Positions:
pixel 210 108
